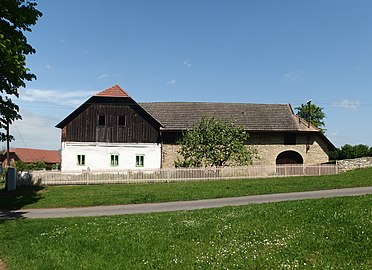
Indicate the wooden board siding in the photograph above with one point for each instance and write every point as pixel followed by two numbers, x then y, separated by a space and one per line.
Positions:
pixel 139 127
pixel 171 137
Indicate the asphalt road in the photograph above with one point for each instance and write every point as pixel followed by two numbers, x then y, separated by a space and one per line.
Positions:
pixel 178 206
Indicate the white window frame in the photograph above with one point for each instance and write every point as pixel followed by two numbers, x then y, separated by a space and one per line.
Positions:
pixel 140 160
pixel 80 160
pixel 114 160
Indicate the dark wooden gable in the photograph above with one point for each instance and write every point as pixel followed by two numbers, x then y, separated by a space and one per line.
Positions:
pixel 110 119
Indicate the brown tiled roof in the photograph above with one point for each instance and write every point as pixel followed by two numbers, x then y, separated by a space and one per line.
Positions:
pixel 184 115
pixel 253 117
pixel 35 155
pixel 113 91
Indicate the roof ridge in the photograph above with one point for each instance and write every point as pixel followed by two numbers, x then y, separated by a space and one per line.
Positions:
pixel 210 102
pixel 113 91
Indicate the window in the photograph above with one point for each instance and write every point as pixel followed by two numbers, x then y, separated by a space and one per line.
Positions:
pixel 122 121
pixel 289 138
pixel 140 160
pixel 81 160
pixel 114 160
pixel 101 120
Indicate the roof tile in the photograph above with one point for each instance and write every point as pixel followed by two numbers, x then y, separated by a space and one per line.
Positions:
pixel 113 91
pixel 35 155
pixel 252 117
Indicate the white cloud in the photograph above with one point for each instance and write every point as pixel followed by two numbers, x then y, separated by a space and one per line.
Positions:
pixel 54 96
pixel 48 66
pixel 187 63
pixel 35 131
pixel 351 105
pixel 296 75
pixel 102 76
pixel 171 82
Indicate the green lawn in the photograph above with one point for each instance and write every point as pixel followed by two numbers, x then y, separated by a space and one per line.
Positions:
pixel 331 233
pixel 73 196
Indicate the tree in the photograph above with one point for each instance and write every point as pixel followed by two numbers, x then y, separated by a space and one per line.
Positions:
pixel 348 151
pixel 214 142
pixel 16 17
pixel 313 114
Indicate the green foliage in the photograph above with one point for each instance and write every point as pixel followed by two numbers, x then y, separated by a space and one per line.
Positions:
pixel 316 115
pixel 16 17
pixel 2 181
pixel 215 143
pixel 348 151
pixel 22 166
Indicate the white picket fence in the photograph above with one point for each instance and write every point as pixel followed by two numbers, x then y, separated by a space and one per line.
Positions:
pixel 170 175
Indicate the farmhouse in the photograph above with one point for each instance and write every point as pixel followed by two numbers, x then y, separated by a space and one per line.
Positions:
pixel 111 131
pixel 29 155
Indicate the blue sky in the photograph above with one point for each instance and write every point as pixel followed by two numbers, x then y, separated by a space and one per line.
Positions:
pixel 253 51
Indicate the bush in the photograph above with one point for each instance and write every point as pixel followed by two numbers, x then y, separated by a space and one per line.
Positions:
pixel 22 166
pixel 348 151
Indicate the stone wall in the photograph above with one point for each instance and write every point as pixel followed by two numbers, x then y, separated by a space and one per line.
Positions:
pixel 311 147
pixel 169 154
pixel 351 164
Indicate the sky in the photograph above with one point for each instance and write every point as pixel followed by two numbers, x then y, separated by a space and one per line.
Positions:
pixel 256 51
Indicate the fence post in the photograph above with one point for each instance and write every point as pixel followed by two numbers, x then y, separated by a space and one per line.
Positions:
pixel 303 169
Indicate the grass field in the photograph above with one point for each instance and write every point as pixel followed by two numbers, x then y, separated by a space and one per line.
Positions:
pixel 73 196
pixel 312 234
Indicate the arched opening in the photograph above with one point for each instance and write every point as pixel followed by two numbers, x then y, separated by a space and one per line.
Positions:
pixel 289 157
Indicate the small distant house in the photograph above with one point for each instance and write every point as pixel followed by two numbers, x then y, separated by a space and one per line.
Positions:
pixel 29 155
pixel 111 131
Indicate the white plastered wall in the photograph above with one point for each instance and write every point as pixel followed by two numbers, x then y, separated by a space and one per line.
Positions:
pixel 98 156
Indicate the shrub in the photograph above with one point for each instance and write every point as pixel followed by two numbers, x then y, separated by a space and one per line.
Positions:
pixel 348 151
